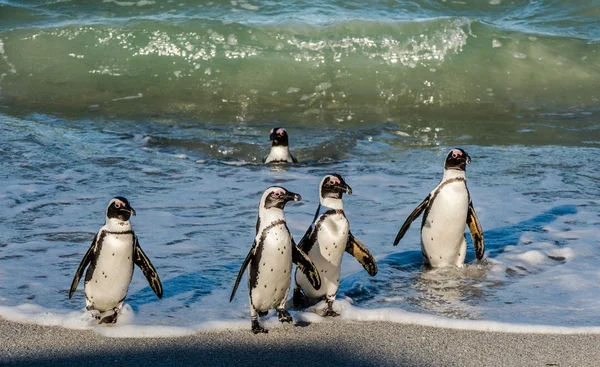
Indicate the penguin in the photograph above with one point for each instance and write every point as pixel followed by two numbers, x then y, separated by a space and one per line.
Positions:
pixel 325 242
pixel 446 211
pixel 114 251
pixel 270 260
pixel 280 151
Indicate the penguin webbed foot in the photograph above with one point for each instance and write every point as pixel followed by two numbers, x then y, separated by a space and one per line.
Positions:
pixel 329 312
pixel 256 328
pixel 299 299
pixel 111 319
pixel 284 316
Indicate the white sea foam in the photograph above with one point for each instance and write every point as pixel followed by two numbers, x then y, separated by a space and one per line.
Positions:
pixel 32 314
pixel 139 95
pixel 351 313
pixel 11 67
pixel 35 314
pixel 131 3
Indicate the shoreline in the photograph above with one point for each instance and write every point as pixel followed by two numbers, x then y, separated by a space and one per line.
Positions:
pixel 330 343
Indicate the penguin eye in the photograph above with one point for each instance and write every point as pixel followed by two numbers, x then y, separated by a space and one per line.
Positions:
pixel 454 155
pixel 117 205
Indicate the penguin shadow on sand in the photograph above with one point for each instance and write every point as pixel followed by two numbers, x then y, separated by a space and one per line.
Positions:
pixel 199 285
pixel 450 291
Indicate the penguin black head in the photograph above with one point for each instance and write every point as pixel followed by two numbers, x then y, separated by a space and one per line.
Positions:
pixel 278 137
pixel 457 159
pixel 119 208
pixel 333 186
pixel 277 197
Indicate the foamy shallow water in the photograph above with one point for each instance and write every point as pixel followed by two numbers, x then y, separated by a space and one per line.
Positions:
pixel 196 200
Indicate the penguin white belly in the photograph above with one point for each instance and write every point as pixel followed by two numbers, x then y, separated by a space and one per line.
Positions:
pixel 112 274
pixel 279 154
pixel 327 254
pixel 274 270
pixel 443 232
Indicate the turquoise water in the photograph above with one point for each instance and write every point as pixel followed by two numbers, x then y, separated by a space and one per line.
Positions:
pixel 338 63
pixel 170 105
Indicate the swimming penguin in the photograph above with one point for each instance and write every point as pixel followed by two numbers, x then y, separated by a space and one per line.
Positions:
pixel 111 256
pixel 446 211
pixel 325 242
pixel 271 258
pixel 280 151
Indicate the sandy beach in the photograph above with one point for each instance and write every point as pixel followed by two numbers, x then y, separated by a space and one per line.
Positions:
pixel 325 344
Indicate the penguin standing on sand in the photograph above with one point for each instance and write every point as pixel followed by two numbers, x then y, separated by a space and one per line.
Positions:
pixel 114 251
pixel 271 258
pixel 446 211
pixel 325 242
pixel 280 150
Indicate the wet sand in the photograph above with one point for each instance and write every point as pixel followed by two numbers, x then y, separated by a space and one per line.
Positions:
pixel 332 343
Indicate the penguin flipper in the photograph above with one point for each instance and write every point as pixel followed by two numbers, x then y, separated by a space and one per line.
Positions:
pixel 82 265
pixel 303 244
pixel 141 260
pixel 242 269
pixel 306 266
pixel 307 242
pixel 476 232
pixel 294 160
pixel 360 252
pixel 414 215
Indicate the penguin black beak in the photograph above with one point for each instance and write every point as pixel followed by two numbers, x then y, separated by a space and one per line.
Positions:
pixel 467 158
pixel 130 210
pixel 290 196
pixel 346 189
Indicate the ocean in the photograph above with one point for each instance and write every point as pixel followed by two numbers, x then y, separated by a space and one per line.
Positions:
pixel 170 105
